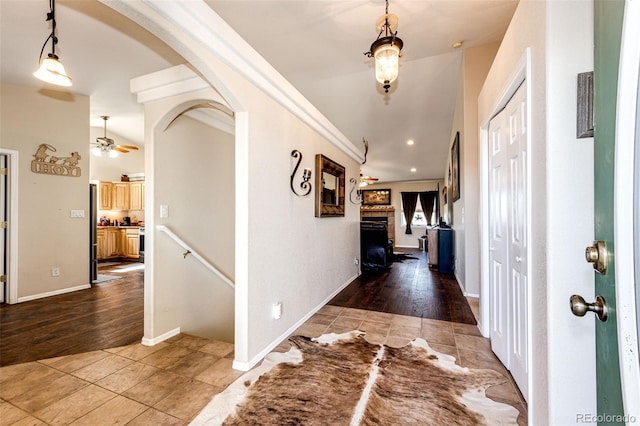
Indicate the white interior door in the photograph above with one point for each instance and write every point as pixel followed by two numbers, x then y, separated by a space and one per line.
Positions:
pixel 498 248
pixel 4 204
pixel 508 236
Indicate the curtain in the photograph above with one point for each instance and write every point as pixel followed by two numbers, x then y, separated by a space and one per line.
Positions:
pixel 409 201
pixel 428 200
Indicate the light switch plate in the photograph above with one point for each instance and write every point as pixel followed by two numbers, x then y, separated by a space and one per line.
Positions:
pixel 77 213
pixel 164 210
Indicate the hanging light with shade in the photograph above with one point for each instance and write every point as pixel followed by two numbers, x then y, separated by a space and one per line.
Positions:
pixel 386 50
pixel 51 69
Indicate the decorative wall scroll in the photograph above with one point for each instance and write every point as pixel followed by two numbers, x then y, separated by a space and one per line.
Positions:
pixel 49 164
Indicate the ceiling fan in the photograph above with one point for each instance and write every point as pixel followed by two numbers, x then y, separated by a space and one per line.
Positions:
pixel 107 145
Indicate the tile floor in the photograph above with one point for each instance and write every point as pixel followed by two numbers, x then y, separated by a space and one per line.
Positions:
pixel 168 384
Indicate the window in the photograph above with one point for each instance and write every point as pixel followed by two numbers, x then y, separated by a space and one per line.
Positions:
pixel 419 217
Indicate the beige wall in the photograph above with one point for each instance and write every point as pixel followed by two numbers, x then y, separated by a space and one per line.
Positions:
pixel 402 239
pixel 194 177
pixel 47 236
pixel 464 214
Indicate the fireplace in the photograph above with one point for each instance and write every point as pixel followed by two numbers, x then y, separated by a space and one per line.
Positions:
pixel 384 214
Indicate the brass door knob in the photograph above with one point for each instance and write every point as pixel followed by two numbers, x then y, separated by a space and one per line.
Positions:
pixel 579 307
pixel 598 255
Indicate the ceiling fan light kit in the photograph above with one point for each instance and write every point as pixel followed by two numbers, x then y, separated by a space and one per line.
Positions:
pixel 386 50
pixel 50 69
pixel 106 145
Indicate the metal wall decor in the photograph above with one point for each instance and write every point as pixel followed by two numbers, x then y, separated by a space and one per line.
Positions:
pixel 49 164
pixel 358 197
pixel 306 176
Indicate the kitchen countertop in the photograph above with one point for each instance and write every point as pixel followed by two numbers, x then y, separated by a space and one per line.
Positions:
pixel 119 227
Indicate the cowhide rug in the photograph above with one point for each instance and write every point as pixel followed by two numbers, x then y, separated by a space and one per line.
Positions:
pixel 341 379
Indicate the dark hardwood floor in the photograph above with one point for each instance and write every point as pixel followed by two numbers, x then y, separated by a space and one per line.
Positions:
pixel 107 315
pixel 409 288
pixel 111 314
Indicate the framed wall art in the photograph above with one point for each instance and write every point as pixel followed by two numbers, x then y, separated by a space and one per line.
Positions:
pixel 376 197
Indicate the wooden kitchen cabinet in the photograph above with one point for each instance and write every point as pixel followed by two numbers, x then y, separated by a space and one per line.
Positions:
pixel 132 246
pixel 113 248
pixel 136 195
pixel 106 195
pixel 121 196
pixel 101 240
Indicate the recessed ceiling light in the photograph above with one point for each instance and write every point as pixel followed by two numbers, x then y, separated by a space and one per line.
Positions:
pixel 410 142
pixel 458 44
pixel 413 169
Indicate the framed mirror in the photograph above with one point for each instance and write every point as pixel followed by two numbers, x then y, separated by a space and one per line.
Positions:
pixel 330 183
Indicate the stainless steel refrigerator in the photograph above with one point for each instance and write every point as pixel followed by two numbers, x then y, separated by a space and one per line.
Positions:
pixel 93 231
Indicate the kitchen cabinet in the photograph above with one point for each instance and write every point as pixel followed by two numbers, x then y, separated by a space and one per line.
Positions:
pixel 121 196
pixel 136 195
pixel 106 195
pixel 132 246
pixel 118 242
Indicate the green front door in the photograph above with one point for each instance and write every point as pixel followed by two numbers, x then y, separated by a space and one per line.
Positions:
pixel 608 16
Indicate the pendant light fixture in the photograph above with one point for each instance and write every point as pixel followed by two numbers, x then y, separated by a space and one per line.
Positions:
pixel 51 69
pixel 386 50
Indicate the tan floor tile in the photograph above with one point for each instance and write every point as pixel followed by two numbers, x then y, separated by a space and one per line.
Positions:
pixel 397 342
pixel 406 321
pixel 18 370
pixel 375 327
pixel 188 400
pixel 155 418
pixel 193 364
pixel 469 329
pixel 29 421
pixel 505 392
pixel 221 374
pixel 474 304
pixel 354 313
pixel 351 323
pixel 331 310
pixel 44 394
pixel 155 387
pixel 376 339
pixel 321 319
pixel 440 336
pixel 71 363
pixel 474 343
pixel 217 348
pixel 311 330
pixel 404 331
pixel 437 324
pixel 128 377
pixel 282 347
pixel 448 350
pixel 16 384
pixel 138 351
pixel 380 317
pixel 166 357
pixel 337 329
pixel 101 369
pixel 117 411
pixel 191 342
pixel 9 414
pixel 74 406
pixel 488 360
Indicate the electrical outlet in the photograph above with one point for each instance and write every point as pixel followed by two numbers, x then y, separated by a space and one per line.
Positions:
pixel 55 272
pixel 276 310
pixel 164 210
pixel 356 261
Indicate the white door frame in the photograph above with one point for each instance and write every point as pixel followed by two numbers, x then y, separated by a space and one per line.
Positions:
pixel 520 73
pixel 12 273
pixel 626 173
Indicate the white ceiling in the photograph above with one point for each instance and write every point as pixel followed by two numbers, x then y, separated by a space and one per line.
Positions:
pixel 317 45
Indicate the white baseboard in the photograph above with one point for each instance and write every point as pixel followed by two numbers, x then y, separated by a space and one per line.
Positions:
pixel 246 366
pixel 53 293
pixel 474 295
pixel 161 338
